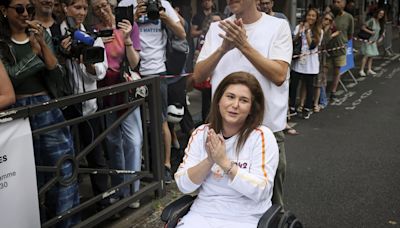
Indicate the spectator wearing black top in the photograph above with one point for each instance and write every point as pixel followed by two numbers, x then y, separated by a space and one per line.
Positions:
pixel 198 18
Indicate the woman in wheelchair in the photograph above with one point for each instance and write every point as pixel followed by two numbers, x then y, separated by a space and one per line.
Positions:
pixel 231 160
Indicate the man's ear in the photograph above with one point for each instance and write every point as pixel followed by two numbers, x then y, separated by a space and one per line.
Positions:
pixel 64 7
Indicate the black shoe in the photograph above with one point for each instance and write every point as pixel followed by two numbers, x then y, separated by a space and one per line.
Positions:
pixel 333 97
pixel 167 175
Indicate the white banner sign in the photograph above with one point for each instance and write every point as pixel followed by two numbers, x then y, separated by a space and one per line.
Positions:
pixel 19 207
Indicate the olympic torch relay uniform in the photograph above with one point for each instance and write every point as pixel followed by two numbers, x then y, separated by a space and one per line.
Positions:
pixel 270 36
pixel 243 199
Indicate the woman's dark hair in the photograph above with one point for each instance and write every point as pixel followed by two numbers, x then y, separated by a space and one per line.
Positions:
pixel 381 21
pixel 5 30
pixel 253 120
pixel 5 34
pixel 315 29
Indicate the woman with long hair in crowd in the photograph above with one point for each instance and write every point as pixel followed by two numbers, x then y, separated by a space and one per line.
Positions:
pixel 320 82
pixel 124 144
pixel 232 160
pixel 26 51
pixel 306 67
pixel 374 26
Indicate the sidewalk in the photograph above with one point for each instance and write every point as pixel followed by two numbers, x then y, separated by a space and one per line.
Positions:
pixel 148 215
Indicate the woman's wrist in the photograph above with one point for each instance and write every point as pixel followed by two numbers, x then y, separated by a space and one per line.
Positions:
pixel 128 42
pixel 209 161
pixel 229 170
pixel 226 164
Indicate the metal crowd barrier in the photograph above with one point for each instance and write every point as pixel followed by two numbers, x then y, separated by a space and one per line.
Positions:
pixel 152 171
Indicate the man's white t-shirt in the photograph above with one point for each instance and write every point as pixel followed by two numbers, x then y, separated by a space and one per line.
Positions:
pixel 153 40
pixel 269 35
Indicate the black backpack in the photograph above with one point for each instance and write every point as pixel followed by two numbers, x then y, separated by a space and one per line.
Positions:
pixel 177 51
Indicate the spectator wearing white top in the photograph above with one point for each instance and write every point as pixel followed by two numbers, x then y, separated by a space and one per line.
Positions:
pixel 306 67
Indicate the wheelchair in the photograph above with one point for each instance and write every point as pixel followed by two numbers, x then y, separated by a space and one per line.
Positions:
pixel 272 218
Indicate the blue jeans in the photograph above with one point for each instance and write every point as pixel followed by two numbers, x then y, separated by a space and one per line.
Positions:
pixel 49 147
pixel 323 100
pixel 124 146
pixel 163 94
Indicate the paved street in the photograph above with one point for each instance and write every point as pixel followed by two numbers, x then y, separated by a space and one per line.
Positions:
pixel 343 168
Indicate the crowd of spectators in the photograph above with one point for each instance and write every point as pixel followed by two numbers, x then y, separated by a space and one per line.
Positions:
pixel 36 44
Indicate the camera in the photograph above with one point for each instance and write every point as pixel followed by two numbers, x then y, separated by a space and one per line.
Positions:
pixel 153 9
pixel 82 43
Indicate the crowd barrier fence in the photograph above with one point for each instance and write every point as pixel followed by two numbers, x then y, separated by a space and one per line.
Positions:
pixel 152 169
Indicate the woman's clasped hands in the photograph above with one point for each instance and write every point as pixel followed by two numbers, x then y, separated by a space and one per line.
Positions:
pixel 36 36
pixel 215 147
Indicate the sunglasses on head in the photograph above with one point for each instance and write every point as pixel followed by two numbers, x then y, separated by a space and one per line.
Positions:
pixel 20 9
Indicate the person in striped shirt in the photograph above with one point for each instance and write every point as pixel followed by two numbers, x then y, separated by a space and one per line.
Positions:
pixel 231 160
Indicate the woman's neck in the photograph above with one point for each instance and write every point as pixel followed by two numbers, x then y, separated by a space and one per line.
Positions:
pixel 18 34
pixel 230 131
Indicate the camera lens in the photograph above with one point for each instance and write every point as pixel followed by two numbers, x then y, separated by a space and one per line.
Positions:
pixel 153 10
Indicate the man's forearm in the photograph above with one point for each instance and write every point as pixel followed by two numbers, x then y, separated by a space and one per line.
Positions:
pixel 273 70
pixel 204 68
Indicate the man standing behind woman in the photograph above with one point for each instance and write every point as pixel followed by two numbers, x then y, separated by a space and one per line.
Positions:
pixel 374 26
pixel 345 24
pixel 124 144
pixel 306 67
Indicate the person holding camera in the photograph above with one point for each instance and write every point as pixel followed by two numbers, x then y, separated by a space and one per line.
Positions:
pixel 84 70
pixel 124 144
pixel 26 51
pixel 152 17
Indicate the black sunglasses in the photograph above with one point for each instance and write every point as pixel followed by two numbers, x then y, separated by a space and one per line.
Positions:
pixel 20 9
